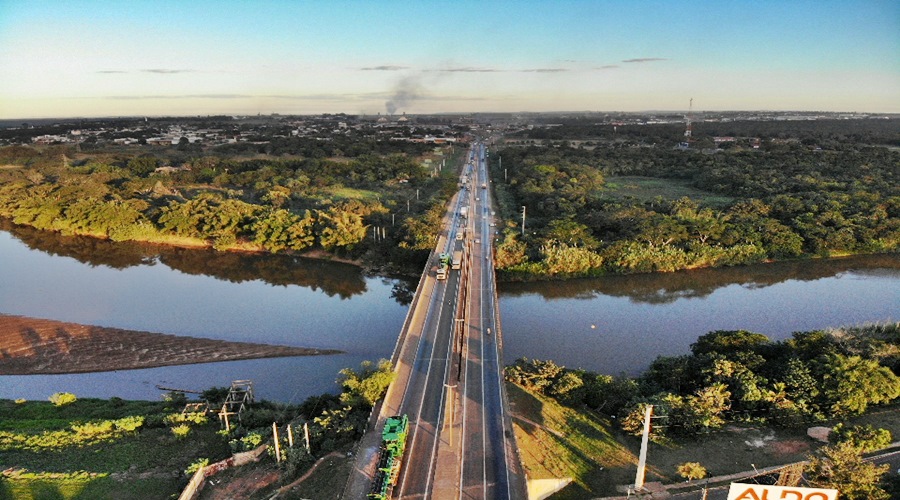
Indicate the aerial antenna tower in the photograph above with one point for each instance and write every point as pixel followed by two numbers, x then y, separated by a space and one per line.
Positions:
pixel 688 118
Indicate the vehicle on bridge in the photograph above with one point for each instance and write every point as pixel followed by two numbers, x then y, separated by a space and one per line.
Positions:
pixel 443 266
pixel 464 211
pixel 393 444
pixel 457 259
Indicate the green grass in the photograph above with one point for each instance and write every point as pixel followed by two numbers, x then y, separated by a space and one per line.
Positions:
pixel 346 193
pixel 649 188
pixel 557 442
pixel 147 464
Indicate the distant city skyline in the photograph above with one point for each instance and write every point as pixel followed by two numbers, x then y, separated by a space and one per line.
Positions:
pixel 106 58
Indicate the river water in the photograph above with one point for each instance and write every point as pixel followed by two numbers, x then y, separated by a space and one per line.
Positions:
pixel 611 325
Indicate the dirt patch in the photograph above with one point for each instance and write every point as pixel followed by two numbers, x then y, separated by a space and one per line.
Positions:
pixel 37 346
pixel 789 447
pixel 241 482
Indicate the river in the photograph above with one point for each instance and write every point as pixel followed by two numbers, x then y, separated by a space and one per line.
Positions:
pixel 612 325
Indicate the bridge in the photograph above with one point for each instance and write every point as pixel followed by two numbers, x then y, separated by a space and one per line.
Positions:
pixel 448 362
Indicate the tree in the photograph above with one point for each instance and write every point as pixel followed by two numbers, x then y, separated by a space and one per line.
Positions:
pixel 865 438
pixel 510 252
pixel 842 467
pixel 850 383
pixel 340 227
pixel 142 166
pixel 367 385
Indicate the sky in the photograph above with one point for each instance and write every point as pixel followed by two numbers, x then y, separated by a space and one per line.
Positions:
pixel 80 58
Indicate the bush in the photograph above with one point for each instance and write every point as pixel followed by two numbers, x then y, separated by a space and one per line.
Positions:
pixel 196 465
pixel 181 431
pixel 62 398
pixel 691 470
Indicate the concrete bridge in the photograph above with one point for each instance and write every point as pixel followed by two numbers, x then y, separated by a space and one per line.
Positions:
pixel 449 363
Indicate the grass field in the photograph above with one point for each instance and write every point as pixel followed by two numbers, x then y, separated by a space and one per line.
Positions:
pixel 559 442
pixel 650 188
pixel 147 464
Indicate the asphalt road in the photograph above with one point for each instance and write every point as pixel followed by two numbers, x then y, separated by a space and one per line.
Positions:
pixel 449 367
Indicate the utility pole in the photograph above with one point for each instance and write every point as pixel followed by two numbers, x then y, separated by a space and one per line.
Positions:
pixel 277 445
pixel 306 435
pixel 523 220
pixel 642 459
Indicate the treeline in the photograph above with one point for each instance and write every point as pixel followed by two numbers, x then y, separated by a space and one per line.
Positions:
pixel 375 207
pixel 761 205
pixel 737 376
pixel 826 133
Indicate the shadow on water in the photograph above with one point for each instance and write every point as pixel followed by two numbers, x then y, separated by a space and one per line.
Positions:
pixel 664 288
pixel 332 278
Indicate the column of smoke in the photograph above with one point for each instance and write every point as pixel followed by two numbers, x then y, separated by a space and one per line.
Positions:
pixel 407 90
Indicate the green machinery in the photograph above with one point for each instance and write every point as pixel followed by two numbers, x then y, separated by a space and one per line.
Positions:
pixel 393 444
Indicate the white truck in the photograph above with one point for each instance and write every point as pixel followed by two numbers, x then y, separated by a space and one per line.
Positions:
pixel 464 212
pixel 457 260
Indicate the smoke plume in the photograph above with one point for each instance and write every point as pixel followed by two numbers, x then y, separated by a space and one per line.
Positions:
pixel 407 90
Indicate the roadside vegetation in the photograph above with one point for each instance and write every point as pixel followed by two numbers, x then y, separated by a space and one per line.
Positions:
pixel 734 387
pixel 371 202
pixel 117 449
pixel 632 204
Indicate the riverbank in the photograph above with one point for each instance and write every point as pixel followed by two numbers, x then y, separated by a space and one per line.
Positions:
pixel 39 346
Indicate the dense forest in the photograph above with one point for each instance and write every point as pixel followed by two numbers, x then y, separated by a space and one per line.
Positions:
pixel 588 211
pixel 738 376
pixel 371 201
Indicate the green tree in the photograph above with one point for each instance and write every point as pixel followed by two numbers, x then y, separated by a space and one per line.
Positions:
pixel 366 385
pixel 510 251
pixel 842 467
pixel 865 438
pixel 142 166
pixel 851 383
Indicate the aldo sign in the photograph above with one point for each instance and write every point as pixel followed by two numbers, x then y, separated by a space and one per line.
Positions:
pixel 741 491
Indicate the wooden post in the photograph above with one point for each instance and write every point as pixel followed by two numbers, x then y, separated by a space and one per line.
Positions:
pixel 227 425
pixel 642 460
pixel 306 434
pixel 290 436
pixel 277 446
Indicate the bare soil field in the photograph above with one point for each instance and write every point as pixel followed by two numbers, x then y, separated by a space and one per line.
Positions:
pixel 30 346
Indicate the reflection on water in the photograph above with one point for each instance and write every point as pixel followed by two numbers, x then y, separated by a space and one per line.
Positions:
pixel 333 278
pixel 619 324
pixel 664 288
pixel 239 297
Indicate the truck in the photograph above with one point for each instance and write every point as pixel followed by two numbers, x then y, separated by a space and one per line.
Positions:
pixel 461 233
pixel 390 457
pixel 457 259
pixel 464 211
pixel 443 266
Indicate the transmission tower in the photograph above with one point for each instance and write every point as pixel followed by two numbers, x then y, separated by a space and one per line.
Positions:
pixel 688 118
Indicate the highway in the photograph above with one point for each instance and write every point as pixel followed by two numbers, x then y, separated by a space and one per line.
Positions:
pixel 449 369
pixel 485 450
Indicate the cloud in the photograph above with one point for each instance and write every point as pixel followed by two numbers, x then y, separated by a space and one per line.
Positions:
pixel 110 71
pixel 468 69
pixel 543 70
pixel 159 71
pixel 385 67
pixel 608 66
pixel 190 96
pixel 644 59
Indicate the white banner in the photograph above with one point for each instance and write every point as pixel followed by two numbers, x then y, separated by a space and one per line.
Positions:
pixel 740 491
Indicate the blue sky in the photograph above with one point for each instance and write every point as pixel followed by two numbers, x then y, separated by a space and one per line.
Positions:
pixel 102 58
